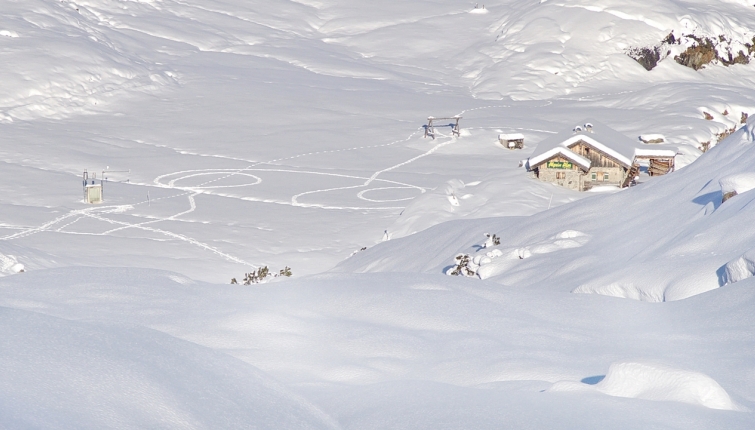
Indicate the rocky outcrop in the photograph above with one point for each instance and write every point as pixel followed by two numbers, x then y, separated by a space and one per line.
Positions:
pixel 695 51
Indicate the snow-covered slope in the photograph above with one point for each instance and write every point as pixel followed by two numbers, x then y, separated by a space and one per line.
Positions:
pixel 664 240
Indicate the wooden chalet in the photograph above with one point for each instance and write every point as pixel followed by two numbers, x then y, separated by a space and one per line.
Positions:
pixel 593 155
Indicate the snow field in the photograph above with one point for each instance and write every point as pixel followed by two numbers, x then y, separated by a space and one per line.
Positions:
pixel 288 134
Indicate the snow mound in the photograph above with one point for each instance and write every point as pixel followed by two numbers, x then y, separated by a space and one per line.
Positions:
pixel 624 290
pixel 9 265
pixel 739 183
pixel 656 382
pixel 649 381
pixel 739 268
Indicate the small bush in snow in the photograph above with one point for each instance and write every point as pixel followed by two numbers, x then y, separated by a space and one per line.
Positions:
pixel 724 134
pixel 261 274
pixel 464 266
pixel 492 240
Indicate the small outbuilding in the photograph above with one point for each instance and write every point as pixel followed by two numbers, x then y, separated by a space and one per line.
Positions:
pixel 593 155
pixel 512 140
pixel 92 189
pixel 93 193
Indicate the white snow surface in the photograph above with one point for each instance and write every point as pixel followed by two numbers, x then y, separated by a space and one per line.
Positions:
pixel 235 134
pixel 740 268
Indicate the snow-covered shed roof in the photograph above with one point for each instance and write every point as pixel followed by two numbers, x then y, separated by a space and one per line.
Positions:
pixel 660 151
pixel 600 136
pixel 511 136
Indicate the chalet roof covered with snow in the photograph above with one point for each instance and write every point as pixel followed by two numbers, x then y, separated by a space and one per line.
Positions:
pixel 564 152
pixel 601 137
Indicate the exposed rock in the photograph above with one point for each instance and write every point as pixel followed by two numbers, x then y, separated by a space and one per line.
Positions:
pixel 670 39
pixel 728 195
pixel 708 116
pixel 698 55
pixel 647 57
pixel 741 58
pixel 745 115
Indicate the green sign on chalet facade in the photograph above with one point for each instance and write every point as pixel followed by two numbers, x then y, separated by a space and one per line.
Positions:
pixel 559 165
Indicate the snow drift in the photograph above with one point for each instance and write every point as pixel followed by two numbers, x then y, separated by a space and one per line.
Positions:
pixel 740 268
pixel 654 382
pixel 650 381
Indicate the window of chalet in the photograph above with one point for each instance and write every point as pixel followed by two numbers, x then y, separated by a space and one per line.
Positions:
pixel 594 176
pixel 605 176
pixel 560 175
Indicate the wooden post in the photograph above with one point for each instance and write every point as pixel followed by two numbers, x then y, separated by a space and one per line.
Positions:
pixel 430 129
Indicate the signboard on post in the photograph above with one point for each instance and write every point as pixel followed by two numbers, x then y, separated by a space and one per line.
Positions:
pixel 559 164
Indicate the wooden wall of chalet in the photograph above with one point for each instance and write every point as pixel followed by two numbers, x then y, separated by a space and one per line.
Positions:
pixel 597 158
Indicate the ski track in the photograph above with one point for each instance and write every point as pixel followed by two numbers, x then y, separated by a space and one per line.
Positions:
pixel 171 234
pixel 93 213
